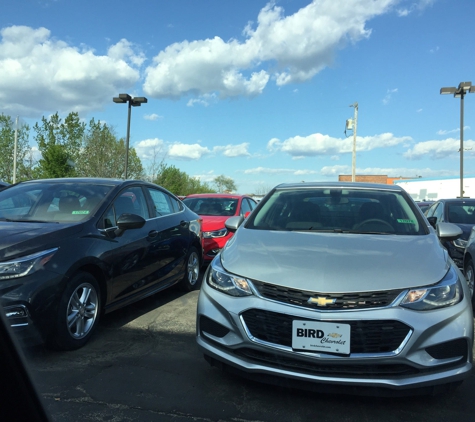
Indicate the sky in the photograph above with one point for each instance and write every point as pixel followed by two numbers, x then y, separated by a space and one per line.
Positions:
pixel 258 91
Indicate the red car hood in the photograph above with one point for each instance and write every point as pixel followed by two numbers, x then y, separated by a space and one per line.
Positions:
pixel 211 222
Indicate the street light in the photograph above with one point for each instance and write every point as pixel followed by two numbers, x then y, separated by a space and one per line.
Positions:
pixel 133 102
pixel 460 92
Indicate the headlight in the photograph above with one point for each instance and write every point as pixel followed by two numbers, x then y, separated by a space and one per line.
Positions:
pixel 25 265
pixel 446 293
pixel 216 233
pixel 225 282
pixel 460 243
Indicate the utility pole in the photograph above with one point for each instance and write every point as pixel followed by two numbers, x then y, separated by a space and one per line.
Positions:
pixel 15 151
pixel 353 124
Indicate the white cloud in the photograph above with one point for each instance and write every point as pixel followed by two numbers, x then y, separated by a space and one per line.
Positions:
pixel 389 95
pixel 438 149
pixel 152 117
pixel 273 171
pixel 150 149
pixel 179 151
pixel 414 6
pixel 124 50
pixel 240 150
pixel 446 132
pixel 40 74
pixel 287 49
pixel 319 144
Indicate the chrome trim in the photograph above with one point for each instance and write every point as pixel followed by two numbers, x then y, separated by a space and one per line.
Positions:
pixel 308 354
pixel 394 303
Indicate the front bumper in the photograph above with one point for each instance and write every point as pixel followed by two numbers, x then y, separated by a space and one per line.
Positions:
pixel 434 348
pixel 30 304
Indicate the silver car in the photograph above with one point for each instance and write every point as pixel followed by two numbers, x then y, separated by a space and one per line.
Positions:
pixel 338 287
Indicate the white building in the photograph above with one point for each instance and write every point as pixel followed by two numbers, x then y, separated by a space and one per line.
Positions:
pixel 423 189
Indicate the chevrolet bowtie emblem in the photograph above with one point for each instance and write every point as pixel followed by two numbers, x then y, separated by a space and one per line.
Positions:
pixel 320 301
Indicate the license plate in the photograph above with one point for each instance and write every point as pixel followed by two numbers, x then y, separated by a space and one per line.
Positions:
pixel 325 337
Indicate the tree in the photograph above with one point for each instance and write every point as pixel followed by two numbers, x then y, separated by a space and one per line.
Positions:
pixel 7 148
pixel 103 155
pixel 60 145
pixel 178 182
pixel 224 184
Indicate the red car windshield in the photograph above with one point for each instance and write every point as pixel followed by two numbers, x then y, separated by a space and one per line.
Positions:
pixel 212 206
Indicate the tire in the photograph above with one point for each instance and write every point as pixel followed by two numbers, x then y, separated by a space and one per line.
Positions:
pixel 78 313
pixel 191 279
pixel 470 276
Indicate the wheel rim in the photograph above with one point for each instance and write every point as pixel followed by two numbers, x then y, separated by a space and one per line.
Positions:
pixel 469 274
pixel 82 311
pixel 193 268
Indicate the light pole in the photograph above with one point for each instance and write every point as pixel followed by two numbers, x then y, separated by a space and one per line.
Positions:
pixel 352 124
pixel 133 102
pixel 460 92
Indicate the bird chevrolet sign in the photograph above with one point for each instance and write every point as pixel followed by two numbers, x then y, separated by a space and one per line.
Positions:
pixel 324 337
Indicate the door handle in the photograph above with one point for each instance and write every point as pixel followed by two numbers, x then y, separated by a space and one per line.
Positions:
pixel 153 233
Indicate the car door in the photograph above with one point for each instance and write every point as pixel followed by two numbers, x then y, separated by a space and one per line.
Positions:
pixel 132 260
pixel 174 235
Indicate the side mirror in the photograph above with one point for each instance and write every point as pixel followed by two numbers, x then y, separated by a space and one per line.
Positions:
pixel 128 222
pixel 233 223
pixel 448 231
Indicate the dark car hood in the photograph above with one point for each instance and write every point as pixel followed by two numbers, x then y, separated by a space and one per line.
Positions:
pixel 336 262
pixel 17 239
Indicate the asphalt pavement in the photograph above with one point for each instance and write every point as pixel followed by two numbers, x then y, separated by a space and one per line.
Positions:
pixel 143 365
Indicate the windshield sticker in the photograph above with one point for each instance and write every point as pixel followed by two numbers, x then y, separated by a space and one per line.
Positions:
pixel 406 221
pixel 80 212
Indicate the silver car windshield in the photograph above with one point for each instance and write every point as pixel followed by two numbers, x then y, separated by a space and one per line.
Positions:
pixel 51 202
pixel 339 210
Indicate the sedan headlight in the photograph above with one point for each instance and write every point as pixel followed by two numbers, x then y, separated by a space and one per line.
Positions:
pixel 446 293
pixel 225 282
pixel 26 265
pixel 215 233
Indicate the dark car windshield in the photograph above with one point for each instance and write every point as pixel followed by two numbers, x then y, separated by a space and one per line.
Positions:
pixel 349 210
pixel 51 202
pixel 461 212
pixel 212 206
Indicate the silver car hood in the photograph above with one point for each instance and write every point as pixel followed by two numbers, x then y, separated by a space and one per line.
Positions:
pixel 336 262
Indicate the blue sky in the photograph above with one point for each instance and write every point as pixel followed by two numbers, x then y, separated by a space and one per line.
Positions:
pixel 258 91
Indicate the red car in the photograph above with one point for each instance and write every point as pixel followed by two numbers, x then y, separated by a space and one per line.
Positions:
pixel 215 209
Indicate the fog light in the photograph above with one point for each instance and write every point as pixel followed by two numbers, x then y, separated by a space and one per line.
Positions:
pixel 449 350
pixel 16 312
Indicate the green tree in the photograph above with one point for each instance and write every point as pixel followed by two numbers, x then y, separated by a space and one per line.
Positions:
pixel 178 182
pixel 7 148
pixel 103 155
pixel 224 184
pixel 60 145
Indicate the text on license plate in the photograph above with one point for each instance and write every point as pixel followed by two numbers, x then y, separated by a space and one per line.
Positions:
pixel 317 336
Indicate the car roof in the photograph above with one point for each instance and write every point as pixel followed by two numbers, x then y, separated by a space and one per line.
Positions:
pixel 100 180
pixel 214 195
pixel 340 185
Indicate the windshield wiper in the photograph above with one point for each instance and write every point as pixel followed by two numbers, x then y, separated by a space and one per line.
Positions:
pixel 10 220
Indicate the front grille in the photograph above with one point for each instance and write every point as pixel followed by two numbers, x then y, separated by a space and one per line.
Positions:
pixel 364 300
pixel 366 336
pixel 326 369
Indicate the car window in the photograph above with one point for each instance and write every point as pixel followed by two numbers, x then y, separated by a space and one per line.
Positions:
pixel 438 212
pixel 212 205
pixel 245 207
pixel 163 203
pixel 339 210
pixel 130 201
pixel 51 202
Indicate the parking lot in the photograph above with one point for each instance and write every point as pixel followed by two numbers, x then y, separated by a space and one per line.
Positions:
pixel 143 365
